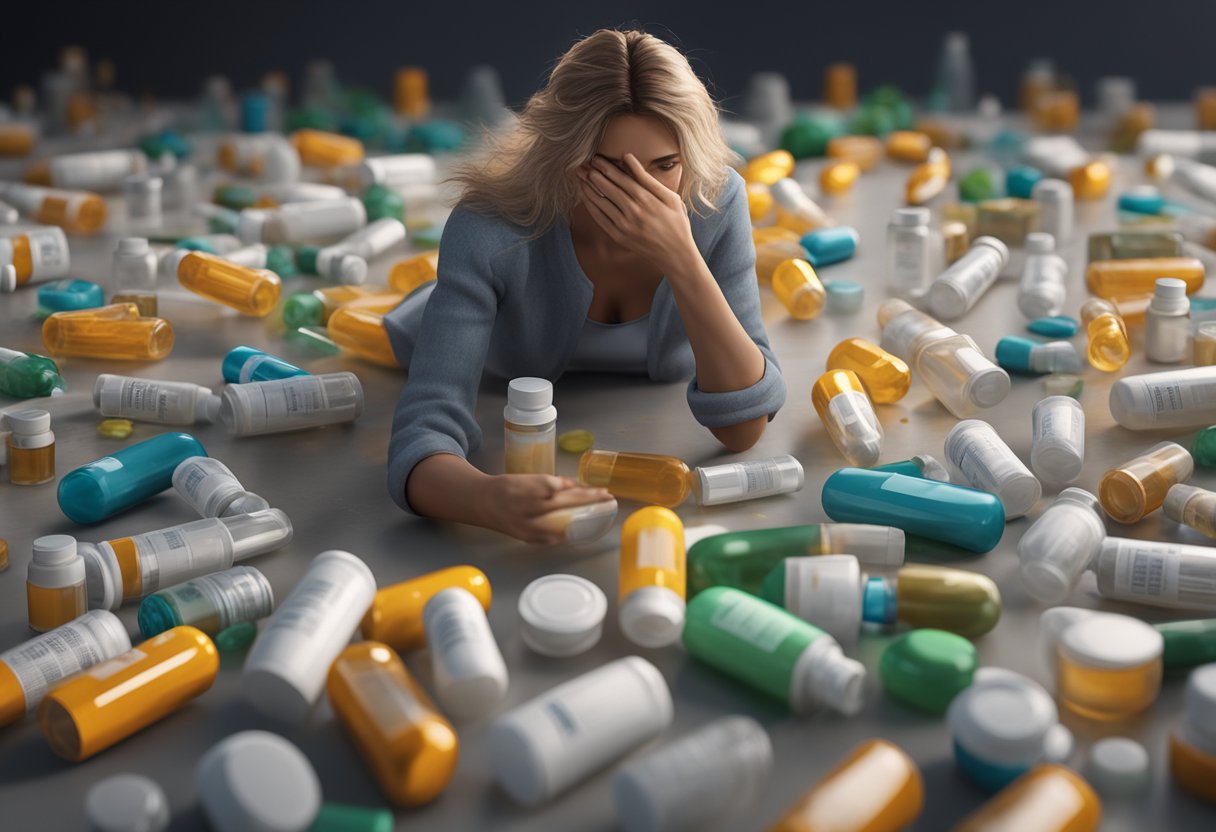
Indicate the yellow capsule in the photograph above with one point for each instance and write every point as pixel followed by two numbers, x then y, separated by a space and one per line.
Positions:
pixel 652 581
pixel 774 232
pixel 362 332
pixel 955 239
pixel 1160 167
pixel 886 377
pixel 838 177
pixel 647 478
pixel 796 285
pixel 410 96
pixel 793 222
pixel 909 146
pixel 840 86
pixel 395 616
pixel 575 441
pixel 929 179
pixel 956 600
pixel 864 151
pixel 1048 798
pixel 17 138
pixel 1108 349
pixel 408 275
pixel 759 201
pixel 326 150
pixel 847 414
pixel 249 291
pixel 116 428
pixel 1125 278
pixel 769 168
pixel 1090 181
pixel 771 254
pixel 116 331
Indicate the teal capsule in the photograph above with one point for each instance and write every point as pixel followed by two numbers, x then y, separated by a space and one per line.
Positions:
pixel 166 141
pixel 306 259
pixel 1188 643
pixel 1143 201
pixel 337 817
pixel 1020 181
pixel 282 261
pixel 236 638
pixel 825 246
pixel 126 478
pixel 223 220
pixel 245 364
pixel 69 294
pixel 1203 449
pixel 255 112
pixel 381 202
pixel 26 375
pixel 964 517
pixel 236 197
pixel 1007 146
pixel 197 244
pixel 431 136
pixel 1056 326
pixel 844 297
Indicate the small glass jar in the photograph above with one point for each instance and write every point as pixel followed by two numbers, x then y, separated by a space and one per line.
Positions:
pixel 1108 666
pixel 31 447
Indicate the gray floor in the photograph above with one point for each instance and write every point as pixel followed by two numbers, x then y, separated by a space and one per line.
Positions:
pixel 331 483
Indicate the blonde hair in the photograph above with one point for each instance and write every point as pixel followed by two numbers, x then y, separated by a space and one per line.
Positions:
pixel 526 173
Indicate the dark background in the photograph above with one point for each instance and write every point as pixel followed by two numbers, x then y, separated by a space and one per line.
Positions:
pixel 167 48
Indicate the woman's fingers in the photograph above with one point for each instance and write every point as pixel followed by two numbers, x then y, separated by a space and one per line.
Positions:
pixel 620 179
pixel 644 180
pixel 600 215
pixel 577 496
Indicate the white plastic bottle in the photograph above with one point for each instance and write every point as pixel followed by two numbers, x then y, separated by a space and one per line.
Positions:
pixel 1057 449
pixel 153 400
pixel 142 196
pixel 213 490
pixel 1056 207
pixel 544 746
pixel 1167 323
pixel 908 245
pixel 1169 399
pixel 696 781
pixel 960 286
pixel 733 482
pixel 96 170
pixel 1157 573
pixel 291 403
pixel 134 270
pixel 395 171
pixel 469 672
pixel 1060 545
pixel 372 241
pixel 529 427
pixel 989 465
pixel 212 603
pixel 301 222
pixel 1041 293
pixel 36 255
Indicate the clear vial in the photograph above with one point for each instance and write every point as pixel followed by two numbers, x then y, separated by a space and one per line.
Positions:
pixel 1204 343
pixel 848 416
pixel 530 427
pixel 1157 573
pixel 1056 207
pixel 908 252
pixel 1139 486
pixel 960 286
pixel 469 672
pixel 1060 545
pixel 1057 448
pixel 1192 506
pixel 989 465
pixel 154 400
pixel 291 403
pixel 961 376
pixel 1167 323
pixel 134 274
pixel 212 490
pixel 1041 293
pixel 647 478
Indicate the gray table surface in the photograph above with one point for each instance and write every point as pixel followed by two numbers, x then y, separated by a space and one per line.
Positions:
pixel 331 482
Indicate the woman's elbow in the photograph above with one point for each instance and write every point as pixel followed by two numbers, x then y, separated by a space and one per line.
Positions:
pixel 741 437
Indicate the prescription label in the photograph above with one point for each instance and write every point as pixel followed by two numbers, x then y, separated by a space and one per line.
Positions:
pixel 449 629
pixel 1061 421
pixel 1172 397
pixel 1148 570
pixel 850 410
pixel 51 657
pixel 764 631
pixel 657 549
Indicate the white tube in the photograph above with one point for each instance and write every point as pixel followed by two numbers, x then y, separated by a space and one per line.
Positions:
pixel 1157 573
pixel 153 400
pixel 212 489
pixel 291 403
pixel 1057 449
pixel 959 287
pixel 1171 399
pixel 989 465
pixel 469 672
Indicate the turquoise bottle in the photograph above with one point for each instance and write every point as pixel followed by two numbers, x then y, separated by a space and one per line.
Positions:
pixel 973 520
pixel 115 483
pixel 25 375
pixel 245 364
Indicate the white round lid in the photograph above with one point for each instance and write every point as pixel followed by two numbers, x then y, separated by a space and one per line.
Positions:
pixel 1003 718
pixel 561 615
pixel 652 616
pixel 1040 242
pixel 1201 697
pixel 256 781
pixel 1117 767
pixel 133 246
pixel 988 387
pixel 528 393
pixel 29 422
pixel 126 803
pixel 1111 642
pixel 910 217
pixel 54 549
pixel 1169 287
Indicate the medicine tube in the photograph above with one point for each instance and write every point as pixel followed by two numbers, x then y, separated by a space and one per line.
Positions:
pixel 36 255
pixel 1022 355
pixel 212 603
pixel 95 170
pixel 1167 323
pixel 646 478
pixel 1123 278
pixel 1108 348
pixel 876 788
pixel 286 667
pixel 1169 399
pixel 77 212
pixel 26 375
pixel 113 700
pixel 715 772
pixel 470 676
pixel 773 651
pixel 1056 208
pixel 116 332
pixel 249 291
pixel 134 275
pixel 1191 506
pixel 1193 740
pixel 242 365
pixel 29 447
pixel 126 478
pixel 153 400
pixel 973 520
pixel 796 210
pixel 1157 573
pixel 886 377
pixel 300 222
pixel 32 668
pixel 529 427
pixel 652 577
pixel 848 417
pixel 1061 544
pixel 978 451
pixel 369 243
pixel 408 745
pixel 752 479
pixel 909 248
pixel 543 747
pixel 1041 292
pixel 1057 449
pixel 921 465
pixel 1139 486
pixel 958 288
pixel 1108 666
pixel 395 614
pixel 55 584
pixel 798 288
pixel 1051 798
pixel 287 404
pixel 743 559
pixel 212 490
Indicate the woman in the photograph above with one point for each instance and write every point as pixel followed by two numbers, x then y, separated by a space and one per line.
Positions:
pixel 572 247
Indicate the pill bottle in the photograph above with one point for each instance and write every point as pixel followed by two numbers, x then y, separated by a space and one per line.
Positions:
pixel 1193 740
pixel 55 586
pixel 530 427
pixel 652 577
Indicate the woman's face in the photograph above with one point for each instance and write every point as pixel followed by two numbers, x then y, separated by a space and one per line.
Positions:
pixel 649 140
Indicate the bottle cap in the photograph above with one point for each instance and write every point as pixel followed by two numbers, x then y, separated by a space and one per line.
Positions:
pixel 1201 698
pixel 652 616
pixel 824 590
pixel 987 387
pixel 910 217
pixel 156 615
pixel 824 677
pixel 1051 190
pixel 29 422
pixel 728 483
pixel 561 615
pixel 258 780
pixel 102 577
pixel 8 278
pixel 529 402
pixel 1003 718
pixel 1169 288
pixel 1013 353
pixel 235 360
pixel 123 802
pixel 1040 242
pixel 1111 642
pixel 133 246
pixel 54 550
pixel 257 533
pixel 206 406
pixel 1117 768
pixel 1176 499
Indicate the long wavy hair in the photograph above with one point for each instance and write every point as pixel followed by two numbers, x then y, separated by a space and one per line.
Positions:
pixel 526 173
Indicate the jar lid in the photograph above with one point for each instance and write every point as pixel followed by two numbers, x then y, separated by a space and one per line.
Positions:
pixel 258 780
pixel 1117 767
pixel 562 615
pixel 29 423
pixel 1002 718
pixel 1111 642
pixel 126 801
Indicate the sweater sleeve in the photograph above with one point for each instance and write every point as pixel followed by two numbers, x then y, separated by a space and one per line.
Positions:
pixel 732 261
pixel 435 412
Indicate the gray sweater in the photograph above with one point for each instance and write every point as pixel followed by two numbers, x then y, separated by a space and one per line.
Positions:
pixel 515 307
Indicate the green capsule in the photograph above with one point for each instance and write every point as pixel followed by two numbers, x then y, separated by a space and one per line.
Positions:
pixel 236 197
pixel 303 309
pixel 1203 449
pixel 282 261
pixel 808 136
pixel 306 259
pixel 976 185
pixel 1189 643
pixel 24 375
pixel 927 668
pixel 237 637
pixel 382 202
pixel 338 817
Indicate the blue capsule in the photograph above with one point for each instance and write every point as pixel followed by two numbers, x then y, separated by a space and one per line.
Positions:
pixel 69 294
pixel 1056 326
pixel 126 478
pixel 825 246
pixel 245 364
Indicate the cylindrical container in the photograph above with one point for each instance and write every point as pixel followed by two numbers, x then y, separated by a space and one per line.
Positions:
pixel 1204 343
pixel 345 267
pixel 291 403
pixel 937 597
pixel 647 478
pixel 142 195
pixel 245 364
pixel 1157 573
pixel 652 577
pixel 95 170
pixel 974 520
pixel 249 291
pixel 886 377
pixel 1169 399
pixel 395 614
pixel 529 427
pixel 906 331
pixel 1122 278
pixel 153 400
pixel 1135 245
pixel 847 415
pixel 395 171
pixel 360 330
pixel 36 255
pixel 825 246
pixel 212 603
pixel 326 150
pixel 798 288
pixel 1188 643
pixel 407 275
pixel 29 670
pixel 960 376
pixel 772 650
pixel 1053 798
pixel 126 478
pixel 30 447
pixel 1108 348
pixel 1041 292
pixel 134 274
pixel 581 524
pixel 78 212
pixel 26 375
pixel 1055 199
pixel 122 802
pixel 213 490
pixel 1167 323
pixel 796 210
pixel 958 288
pixel 909 242
pixel 1060 545
pixel 1021 355
pixel 114 699
pixel 695 781
pixel 733 482
pixel 990 465
pixel 299 222
pixel 55 584
pixel 286 667
pixel 824 591
pixel 1139 486
pixel 116 332
pixel 256 780
pixel 470 675
pixel 408 745
pixel 1191 506
pixel 370 242
pixel 876 788
pixel 548 744
pixel 1193 741
pixel 1108 666
pixel 1057 449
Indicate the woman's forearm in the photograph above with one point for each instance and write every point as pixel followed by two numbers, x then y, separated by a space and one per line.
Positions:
pixel 442 486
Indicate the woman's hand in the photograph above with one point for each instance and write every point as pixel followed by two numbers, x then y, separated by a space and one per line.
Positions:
pixel 514 503
pixel 638 212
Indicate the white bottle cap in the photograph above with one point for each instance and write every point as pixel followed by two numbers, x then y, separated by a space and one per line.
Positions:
pixel 716 484
pixel 8 278
pixel 826 591
pixel 1111 642
pixel 1169 288
pixel 29 422
pixel 1003 718
pixel 1040 242
pixel 1176 499
pixel 1117 768
pixel 561 615
pixel 102 576
pixel 1051 190
pixel 256 780
pixel 824 677
pixel 349 269
pixel 206 406
pixel 126 802
pixel 987 387
pixel 529 402
pixel 52 554
pixel 910 217
pixel 257 533
pixel 132 246
pixel 652 616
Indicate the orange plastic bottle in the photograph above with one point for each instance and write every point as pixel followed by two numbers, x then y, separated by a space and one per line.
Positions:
pixel 1048 798
pixel 116 331
pixel 395 616
pixel 327 150
pixel 408 275
pixel 249 291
